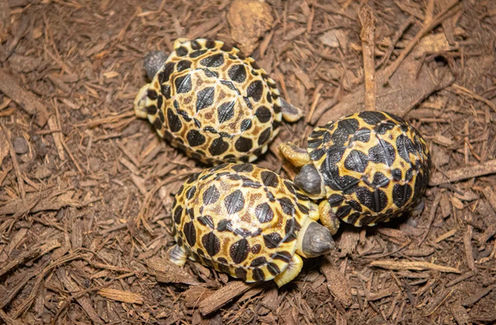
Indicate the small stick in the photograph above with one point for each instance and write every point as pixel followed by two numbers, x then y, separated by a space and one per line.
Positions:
pixel 316 98
pixel 58 138
pixel 72 157
pixel 413 265
pixel 432 215
pixel 17 170
pixel 310 20
pixel 464 91
pixel 467 241
pixel 454 175
pixel 445 236
pixel 367 35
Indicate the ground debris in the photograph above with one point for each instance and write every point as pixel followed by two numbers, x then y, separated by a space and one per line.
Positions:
pixel 169 272
pixel 120 295
pixel 86 188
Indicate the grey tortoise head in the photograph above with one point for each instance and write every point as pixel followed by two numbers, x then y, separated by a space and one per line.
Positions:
pixel 154 60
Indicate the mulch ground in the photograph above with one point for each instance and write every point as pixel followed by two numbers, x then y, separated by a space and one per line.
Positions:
pixel 86 188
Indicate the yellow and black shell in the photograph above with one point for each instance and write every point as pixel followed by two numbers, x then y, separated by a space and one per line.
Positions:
pixel 214 103
pixel 375 166
pixel 240 219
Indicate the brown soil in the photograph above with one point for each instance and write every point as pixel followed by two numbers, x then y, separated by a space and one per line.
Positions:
pixel 86 188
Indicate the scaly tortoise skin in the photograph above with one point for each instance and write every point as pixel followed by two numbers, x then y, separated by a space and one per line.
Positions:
pixel 212 102
pixel 248 222
pixel 371 167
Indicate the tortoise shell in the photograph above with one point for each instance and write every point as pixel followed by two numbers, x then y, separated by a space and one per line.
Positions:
pixel 375 166
pixel 240 219
pixel 211 101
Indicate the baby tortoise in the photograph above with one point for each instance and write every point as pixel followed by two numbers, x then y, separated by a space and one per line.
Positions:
pixel 248 222
pixel 370 166
pixel 212 102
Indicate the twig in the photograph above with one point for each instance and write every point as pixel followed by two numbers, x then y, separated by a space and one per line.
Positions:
pixel 432 215
pixel 29 300
pixel 413 265
pixel 58 138
pixel 447 11
pixel 454 175
pixel 467 242
pixel 14 162
pixel 72 158
pixel 316 98
pixel 367 36
pixel 464 91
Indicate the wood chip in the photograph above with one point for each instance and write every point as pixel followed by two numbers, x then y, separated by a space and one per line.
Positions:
pixel 43 201
pixel 120 295
pixel 304 78
pixel 469 301
pixel 445 236
pixel 223 296
pixel 337 283
pixel 294 33
pixel 168 272
pixel 27 100
pixel 459 313
pixel 4 20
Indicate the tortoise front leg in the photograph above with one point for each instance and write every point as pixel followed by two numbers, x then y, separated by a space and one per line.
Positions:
pixel 328 218
pixel 298 157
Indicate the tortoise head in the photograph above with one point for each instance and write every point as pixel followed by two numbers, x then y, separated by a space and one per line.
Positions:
pixel 310 181
pixel 314 240
pixel 153 61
